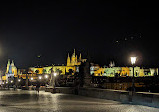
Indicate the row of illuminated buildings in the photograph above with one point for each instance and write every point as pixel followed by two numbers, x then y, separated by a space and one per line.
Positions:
pixel 33 73
pixel 72 67
pixel 113 71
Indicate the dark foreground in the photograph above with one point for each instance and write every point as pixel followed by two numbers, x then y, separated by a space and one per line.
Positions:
pixel 29 101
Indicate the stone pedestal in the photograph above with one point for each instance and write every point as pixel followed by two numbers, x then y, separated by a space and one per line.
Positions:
pixel 87 77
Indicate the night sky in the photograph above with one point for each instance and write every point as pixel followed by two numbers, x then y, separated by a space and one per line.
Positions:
pixel 105 31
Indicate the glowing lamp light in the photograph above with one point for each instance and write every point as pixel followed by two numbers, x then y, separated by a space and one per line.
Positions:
pixel 46 76
pixel 55 74
pixel 40 77
pixel 31 78
pixel 11 81
pixel 133 60
pixel 19 80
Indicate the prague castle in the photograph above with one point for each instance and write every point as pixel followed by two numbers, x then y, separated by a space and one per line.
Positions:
pixel 72 66
pixel 73 63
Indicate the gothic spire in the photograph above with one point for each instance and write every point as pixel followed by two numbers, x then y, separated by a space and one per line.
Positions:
pixel 74 54
pixel 12 63
pixel 80 57
pixel 8 62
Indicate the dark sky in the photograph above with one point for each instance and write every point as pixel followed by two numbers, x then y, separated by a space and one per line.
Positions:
pixel 104 30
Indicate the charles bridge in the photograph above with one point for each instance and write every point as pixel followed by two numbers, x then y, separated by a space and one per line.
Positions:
pixel 81 97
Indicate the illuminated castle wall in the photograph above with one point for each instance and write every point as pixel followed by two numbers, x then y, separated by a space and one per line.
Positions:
pixel 96 70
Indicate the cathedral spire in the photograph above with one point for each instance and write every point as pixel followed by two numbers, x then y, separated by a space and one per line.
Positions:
pixel 74 51
pixel 80 57
pixel 68 55
pixel 8 62
pixel 68 60
pixel 12 63
pixel 74 54
pixel 76 59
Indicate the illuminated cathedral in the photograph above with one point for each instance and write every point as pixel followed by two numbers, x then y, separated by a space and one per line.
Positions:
pixel 72 63
pixel 11 71
pixel 74 60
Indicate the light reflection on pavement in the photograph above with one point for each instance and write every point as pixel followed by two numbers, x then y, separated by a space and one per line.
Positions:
pixel 29 101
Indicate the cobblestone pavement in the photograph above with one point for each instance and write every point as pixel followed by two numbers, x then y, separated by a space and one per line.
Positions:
pixel 29 101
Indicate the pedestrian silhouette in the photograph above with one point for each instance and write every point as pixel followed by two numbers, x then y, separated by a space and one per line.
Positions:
pixel 37 87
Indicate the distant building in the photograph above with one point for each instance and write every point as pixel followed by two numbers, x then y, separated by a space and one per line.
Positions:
pixel 123 71
pixel 11 71
pixel 72 64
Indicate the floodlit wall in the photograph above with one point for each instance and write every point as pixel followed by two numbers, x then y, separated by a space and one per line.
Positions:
pixel 123 71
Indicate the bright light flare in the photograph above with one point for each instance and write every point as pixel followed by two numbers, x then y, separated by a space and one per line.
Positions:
pixel 40 77
pixel 55 74
pixel 46 76
pixel 133 60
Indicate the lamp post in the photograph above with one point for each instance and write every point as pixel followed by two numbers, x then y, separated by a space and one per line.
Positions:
pixel 46 76
pixel 31 82
pixel 40 77
pixel 46 80
pixel 133 60
pixel 54 84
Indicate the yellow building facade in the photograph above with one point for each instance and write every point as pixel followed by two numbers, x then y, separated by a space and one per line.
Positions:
pixel 123 71
pixel 72 64
pixel 11 71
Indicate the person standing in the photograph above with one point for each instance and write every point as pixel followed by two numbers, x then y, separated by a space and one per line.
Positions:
pixel 37 87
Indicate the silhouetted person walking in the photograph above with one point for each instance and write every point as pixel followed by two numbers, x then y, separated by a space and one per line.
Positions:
pixel 37 87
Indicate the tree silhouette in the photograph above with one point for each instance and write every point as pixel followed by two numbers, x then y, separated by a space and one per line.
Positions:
pixel 44 71
pixel 70 71
pixel 36 71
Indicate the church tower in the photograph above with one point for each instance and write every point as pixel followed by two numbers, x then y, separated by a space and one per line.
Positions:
pixel 68 60
pixel 12 64
pixel 76 62
pixel 73 59
pixel 8 64
pixel 80 57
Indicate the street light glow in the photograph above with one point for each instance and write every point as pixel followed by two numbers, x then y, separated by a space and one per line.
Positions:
pixel 31 78
pixel 11 81
pixel 46 76
pixel 55 74
pixel 133 60
pixel 18 80
pixel 40 77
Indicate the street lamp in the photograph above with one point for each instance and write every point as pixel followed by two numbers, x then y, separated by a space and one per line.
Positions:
pixel 133 60
pixel 40 77
pixel 55 74
pixel 54 83
pixel 31 78
pixel 19 80
pixel 46 76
